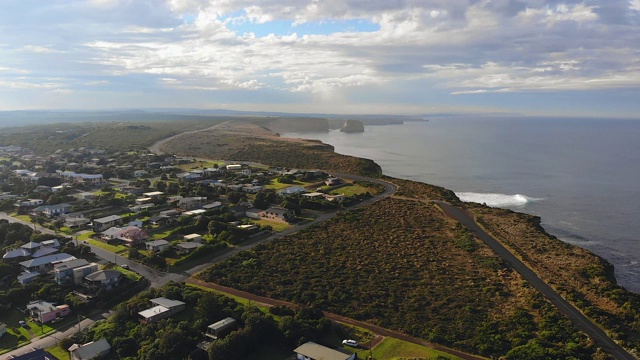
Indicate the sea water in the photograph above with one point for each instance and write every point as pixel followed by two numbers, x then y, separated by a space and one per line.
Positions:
pixel 582 176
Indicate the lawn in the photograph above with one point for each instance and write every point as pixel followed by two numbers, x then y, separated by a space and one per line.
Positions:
pixel 351 189
pixel 84 235
pixel 276 226
pixel 112 248
pixel 159 235
pixel 392 349
pixel 129 274
pixel 58 352
pixel 200 164
pixel 16 334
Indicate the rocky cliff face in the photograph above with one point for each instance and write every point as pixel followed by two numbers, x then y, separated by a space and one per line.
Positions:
pixel 352 126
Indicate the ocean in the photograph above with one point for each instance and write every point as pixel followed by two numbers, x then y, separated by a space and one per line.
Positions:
pixel 582 177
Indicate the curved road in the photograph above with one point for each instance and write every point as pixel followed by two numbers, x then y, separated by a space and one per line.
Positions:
pixel 576 317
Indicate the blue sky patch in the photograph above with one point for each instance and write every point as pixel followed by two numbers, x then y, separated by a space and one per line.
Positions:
pixel 286 27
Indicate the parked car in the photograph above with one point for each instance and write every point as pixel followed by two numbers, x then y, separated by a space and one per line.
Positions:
pixel 125 266
pixel 23 324
pixel 350 342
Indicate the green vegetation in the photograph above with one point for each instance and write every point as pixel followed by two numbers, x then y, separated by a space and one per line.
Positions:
pixel 402 265
pixel 244 141
pixel 45 139
pixel 350 190
pixel 276 226
pixel 396 349
pixel 58 352
pixel 117 249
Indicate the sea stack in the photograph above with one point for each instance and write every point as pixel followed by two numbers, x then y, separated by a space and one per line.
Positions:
pixel 352 126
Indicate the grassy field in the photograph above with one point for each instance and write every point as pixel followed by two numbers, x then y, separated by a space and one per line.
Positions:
pixel 200 164
pixel 350 190
pixel 275 185
pixel 113 248
pixel 396 349
pixel 277 226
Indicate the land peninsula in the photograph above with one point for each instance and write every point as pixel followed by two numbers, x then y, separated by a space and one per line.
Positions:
pixel 403 264
pixel 411 258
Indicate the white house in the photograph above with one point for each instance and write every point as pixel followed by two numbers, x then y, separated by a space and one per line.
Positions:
pixel 157 245
pixel 192 238
pixel 164 308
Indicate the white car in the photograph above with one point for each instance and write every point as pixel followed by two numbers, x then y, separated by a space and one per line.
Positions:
pixel 350 342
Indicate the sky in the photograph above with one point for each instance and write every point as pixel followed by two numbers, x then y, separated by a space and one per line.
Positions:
pixel 530 57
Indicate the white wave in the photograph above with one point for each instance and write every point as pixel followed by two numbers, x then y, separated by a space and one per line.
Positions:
pixel 496 200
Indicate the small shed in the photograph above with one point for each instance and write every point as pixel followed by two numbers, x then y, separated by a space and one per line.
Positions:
pixel 222 328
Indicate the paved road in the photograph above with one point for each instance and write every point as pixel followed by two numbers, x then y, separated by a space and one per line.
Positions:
pixel 576 317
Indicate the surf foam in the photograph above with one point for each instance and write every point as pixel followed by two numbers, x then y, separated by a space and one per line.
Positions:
pixel 496 200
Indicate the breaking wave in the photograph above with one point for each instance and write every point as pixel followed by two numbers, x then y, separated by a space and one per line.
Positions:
pixel 496 200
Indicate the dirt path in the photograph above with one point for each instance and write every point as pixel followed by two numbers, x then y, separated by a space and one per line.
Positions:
pixel 380 332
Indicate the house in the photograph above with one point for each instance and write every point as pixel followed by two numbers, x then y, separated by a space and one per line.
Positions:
pixel 143 207
pixel 247 227
pixel 35 354
pixel 234 167
pixel 169 213
pixel 34 249
pixel 313 351
pixel 193 238
pixel 221 328
pixel 336 198
pixel 153 194
pixel 3 328
pixel 211 171
pixel 196 212
pixel 104 223
pixel 131 190
pixel 292 190
pixel 140 173
pixel 88 179
pixel 157 245
pixel 238 210
pixel 190 203
pixel 73 272
pixel 213 205
pixel 44 312
pixel 253 189
pixel 30 203
pixel 246 172
pixel 187 176
pixel 144 200
pixel 128 235
pixel 253 213
pixel 185 248
pixel 164 308
pixel 75 220
pixel 332 181
pixel 85 195
pixel 45 263
pixel 63 272
pixel 53 210
pixel 91 350
pixel 313 195
pixel 278 214
pixel 103 279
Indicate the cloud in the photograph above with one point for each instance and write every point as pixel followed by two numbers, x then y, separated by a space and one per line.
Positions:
pixel 448 46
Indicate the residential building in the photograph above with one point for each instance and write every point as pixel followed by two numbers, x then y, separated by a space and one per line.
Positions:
pixel 278 214
pixel 190 203
pixel 91 350
pixel 45 263
pixel 45 312
pixel 34 249
pixel 193 238
pixel 30 203
pixel 63 272
pixel 89 179
pixel 157 245
pixel 53 210
pixel 185 248
pixel 103 279
pixel 313 351
pixel 106 222
pixel 128 235
pixel 221 328
pixel 234 167
pixel 153 194
pixel 75 220
pixel 164 308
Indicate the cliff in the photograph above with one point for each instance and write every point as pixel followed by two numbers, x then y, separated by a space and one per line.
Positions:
pixel 352 126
